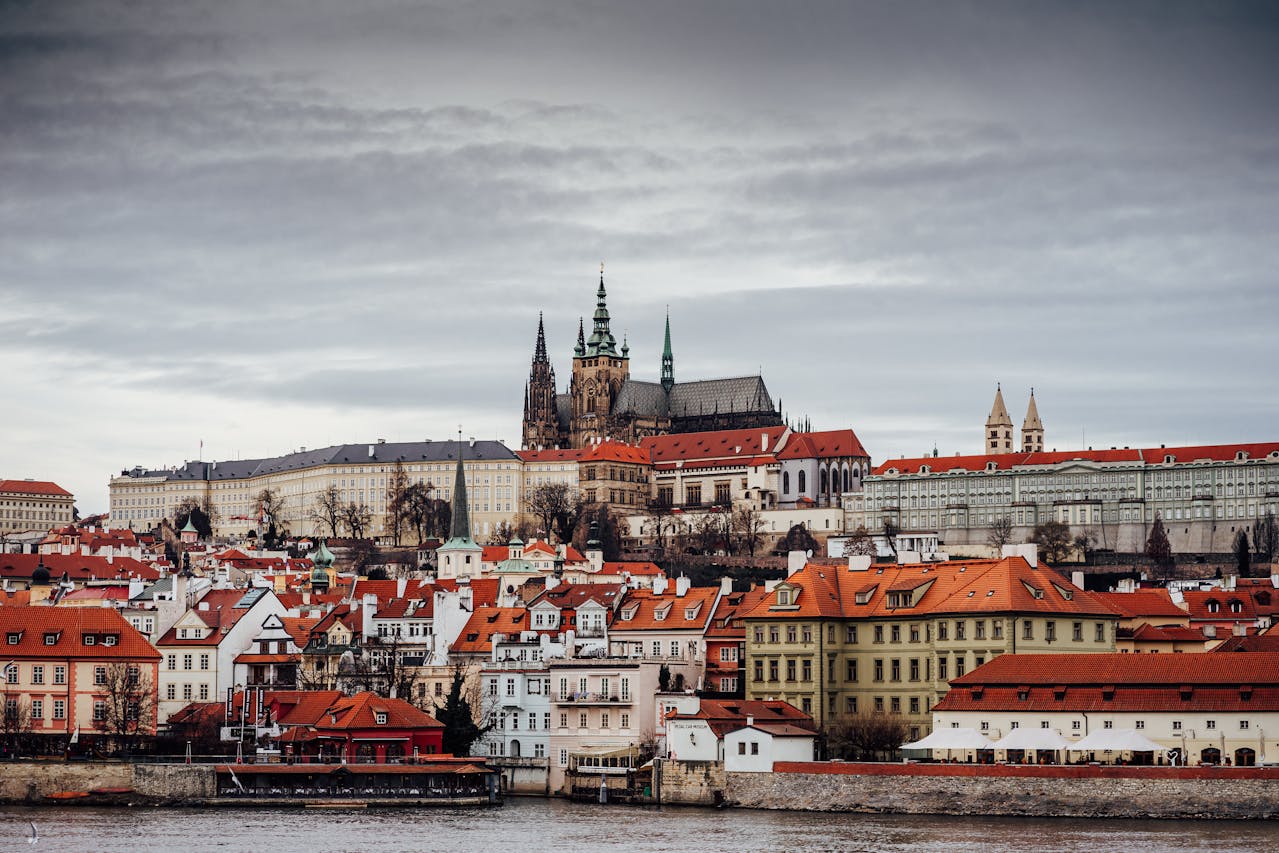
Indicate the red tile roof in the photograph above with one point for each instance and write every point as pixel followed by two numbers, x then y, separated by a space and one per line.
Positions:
pixel 70 625
pixel 1148 456
pixel 32 487
pixel 726 623
pixel 1168 634
pixel 1008 585
pixel 1143 603
pixel 1118 683
pixel 77 568
pixel 729 715
pixel 643 610
pixel 729 444
pixel 477 635
pixel 822 445
pixel 358 712
pixel 1199 604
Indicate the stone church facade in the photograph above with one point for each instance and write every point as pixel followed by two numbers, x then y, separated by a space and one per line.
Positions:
pixel 604 402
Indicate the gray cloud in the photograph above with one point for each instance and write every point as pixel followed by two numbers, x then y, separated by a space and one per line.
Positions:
pixel 279 224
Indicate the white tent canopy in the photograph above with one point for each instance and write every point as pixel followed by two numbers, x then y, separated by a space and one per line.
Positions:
pixel 1033 739
pixel 1117 740
pixel 951 739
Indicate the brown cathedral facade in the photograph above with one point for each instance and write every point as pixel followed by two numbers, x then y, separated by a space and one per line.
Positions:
pixel 603 402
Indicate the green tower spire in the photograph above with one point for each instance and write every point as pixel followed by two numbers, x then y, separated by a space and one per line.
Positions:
pixel 601 341
pixel 460 523
pixel 668 359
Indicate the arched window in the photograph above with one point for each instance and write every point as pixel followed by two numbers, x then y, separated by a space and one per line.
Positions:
pixel 848 480
pixel 824 486
pixel 803 482
pixel 786 482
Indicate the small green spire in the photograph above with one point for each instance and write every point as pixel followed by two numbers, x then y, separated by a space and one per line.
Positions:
pixel 580 349
pixel 601 341
pixel 668 358
pixel 460 523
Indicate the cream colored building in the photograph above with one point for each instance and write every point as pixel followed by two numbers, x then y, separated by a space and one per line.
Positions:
pixel 33 505
pixel 141 498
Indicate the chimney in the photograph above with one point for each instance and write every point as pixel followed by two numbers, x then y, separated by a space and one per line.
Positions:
pixel 1241 630
pixel 1077 578
pixel 763 442
pixel 369 603
pixel 372 451
pixel 906 558
pixel 725 585
pixel 401 584
pixel 551 582
pixel 750 720
pixel 796 560
pixel 659 584
pixel 859 562
pixel 682 583
pixel 1028 551
pixel 1210 631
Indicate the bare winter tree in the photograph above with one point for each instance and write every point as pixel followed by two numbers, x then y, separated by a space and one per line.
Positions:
pixel 397 506
pixel 867 736
pixel 357 517
pixel 556 506
pixel 129 705
pixel 749 525
pixel 1000 533
pixel 860 545
pixel 271 505
pixel 15 721
pixel 327 510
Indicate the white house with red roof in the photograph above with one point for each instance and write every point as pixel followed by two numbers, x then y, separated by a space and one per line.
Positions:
pixel 201 647
pixel 701 734
pixel 666 623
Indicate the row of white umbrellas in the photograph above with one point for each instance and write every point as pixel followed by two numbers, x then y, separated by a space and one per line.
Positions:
pixel 1100 739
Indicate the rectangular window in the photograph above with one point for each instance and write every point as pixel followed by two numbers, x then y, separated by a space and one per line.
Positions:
pixel 626 721
pixel 850 633
pixel 943 630
pixel 37 711
pixel 1077 632
pixel 187 661
pixel 604 720
pixel 790 633
pixel 943 667
pixel 895 704
pixel 204 661
pixel 186 692
pixel 1050 630
pixel 759 633
pixel 37 675
pixel 914 669
pixel 759 670
pixel 879 633
pixel 581 720
pixel 741 748
pixel 1100 634
pixel 59 675
pixel 879 669
pixel 979 629
pixel 99 675
pixel 806 670
pixel 59 709
pixel 896 669
pixel 99 710
pixel 959 630
pixel 171 692
pixel 1028 630
pixel 914 704
pixel 997 629
pixel 850 670
pixel 563 721
pixel 790 669
pixel 1141 724
pixel 772 670
pixel 895 633
pixel 563 758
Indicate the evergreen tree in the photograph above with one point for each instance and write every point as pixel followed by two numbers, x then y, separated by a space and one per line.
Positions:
pixel 460 729
pixel 1159 549
pixel 1243 554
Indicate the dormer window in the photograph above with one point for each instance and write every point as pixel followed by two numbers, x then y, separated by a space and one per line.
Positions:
pixel 1235 606
pixel 15 638
pixel 783 598
pixel 379 717
pixel 1213 605
pixel 110 640
pixel 51 639
pixel 89 639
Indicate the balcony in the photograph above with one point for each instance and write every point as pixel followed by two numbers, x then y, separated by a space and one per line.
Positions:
pixel 591 699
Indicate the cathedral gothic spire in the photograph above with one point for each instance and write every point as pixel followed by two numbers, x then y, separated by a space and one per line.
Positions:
pixel 668 358
pixel 541 423
pixel 1032 428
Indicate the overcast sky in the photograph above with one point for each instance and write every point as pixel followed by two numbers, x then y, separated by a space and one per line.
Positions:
pixel 269 225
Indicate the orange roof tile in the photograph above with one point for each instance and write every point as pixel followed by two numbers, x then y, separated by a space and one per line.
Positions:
pixel 32 487
pixel 69 626
pixel 643 610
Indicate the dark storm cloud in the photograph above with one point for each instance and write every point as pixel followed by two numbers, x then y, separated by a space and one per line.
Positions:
pixel 356 211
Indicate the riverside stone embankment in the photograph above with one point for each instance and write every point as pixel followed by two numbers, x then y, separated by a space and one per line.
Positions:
pixel 1056 791
pixel 35 781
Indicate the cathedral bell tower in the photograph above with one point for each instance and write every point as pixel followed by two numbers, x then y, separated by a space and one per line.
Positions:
pixel 541 425
pixel 599 370
pixel 999 426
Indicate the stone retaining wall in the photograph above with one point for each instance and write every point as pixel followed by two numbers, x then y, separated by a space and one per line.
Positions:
pixel 697 783
pixel 175 781
pixel 28 781
pixel 1139 795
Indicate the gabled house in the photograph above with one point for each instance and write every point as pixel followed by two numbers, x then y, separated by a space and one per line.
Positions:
pixel 201 647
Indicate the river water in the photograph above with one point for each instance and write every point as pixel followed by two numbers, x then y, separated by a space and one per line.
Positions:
pixel 534 825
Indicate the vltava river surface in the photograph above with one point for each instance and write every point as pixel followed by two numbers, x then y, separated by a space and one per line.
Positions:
pixel 532 826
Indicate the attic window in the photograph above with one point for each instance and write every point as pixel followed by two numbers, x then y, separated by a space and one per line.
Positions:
pixel 51 639
pixel 864 595
pixel 1108 692
pixel 977 691
pixel 1245 692
pixel 88 639
pixel 15 638
pixel 379 717
pixel 1059 692
pixel 1023 693
pixel 110 639
pixel 783 598
pixel 1187 692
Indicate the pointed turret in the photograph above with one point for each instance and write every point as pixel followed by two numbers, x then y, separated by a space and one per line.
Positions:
pixel 668 359
pixel 1032 429
pixel 601 341
pixel 541 425
pixel 580 349
pixel 459 557
pixel 999 426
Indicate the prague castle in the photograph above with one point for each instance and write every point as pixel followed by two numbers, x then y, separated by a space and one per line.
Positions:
pixel 604 402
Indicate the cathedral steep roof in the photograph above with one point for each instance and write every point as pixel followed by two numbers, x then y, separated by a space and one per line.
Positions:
pixel 707 396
